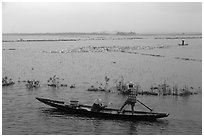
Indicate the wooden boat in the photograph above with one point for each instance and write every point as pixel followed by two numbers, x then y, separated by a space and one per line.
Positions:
pixel 106 113
pixel 182 44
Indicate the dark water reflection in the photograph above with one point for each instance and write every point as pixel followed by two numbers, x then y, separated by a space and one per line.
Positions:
pixel 100 126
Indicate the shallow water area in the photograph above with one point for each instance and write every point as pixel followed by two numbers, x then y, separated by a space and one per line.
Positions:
pixel 22 114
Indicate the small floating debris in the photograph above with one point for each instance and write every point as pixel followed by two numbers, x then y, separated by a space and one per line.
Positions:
pixel 9 49
pixel 7 81
pixel 124 49
pixel 188 59
pixel 156 55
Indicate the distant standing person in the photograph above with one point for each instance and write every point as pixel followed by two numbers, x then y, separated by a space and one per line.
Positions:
pixel 131 100
pixel 183 42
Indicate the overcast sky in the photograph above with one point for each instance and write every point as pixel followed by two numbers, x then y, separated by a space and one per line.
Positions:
pixel 97 17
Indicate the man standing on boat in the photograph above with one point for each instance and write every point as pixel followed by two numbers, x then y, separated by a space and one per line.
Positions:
pixel 132 94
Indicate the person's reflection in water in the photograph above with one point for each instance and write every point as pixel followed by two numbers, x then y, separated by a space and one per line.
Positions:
pixel 132 128
pixel 97 129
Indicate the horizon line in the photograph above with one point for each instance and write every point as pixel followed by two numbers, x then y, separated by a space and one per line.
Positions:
pixel 104 32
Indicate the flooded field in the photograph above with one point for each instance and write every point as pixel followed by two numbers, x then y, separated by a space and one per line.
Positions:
pixel 158 59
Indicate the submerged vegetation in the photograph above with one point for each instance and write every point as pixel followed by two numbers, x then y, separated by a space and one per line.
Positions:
pixel 122 49
pixel 162 89
pixel 32 84
pixel 120 87
pixel 7 81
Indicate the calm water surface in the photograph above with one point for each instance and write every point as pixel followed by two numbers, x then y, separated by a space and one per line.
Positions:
pixel 23 114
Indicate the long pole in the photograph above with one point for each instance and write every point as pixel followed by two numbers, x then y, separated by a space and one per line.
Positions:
pixel 145 105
